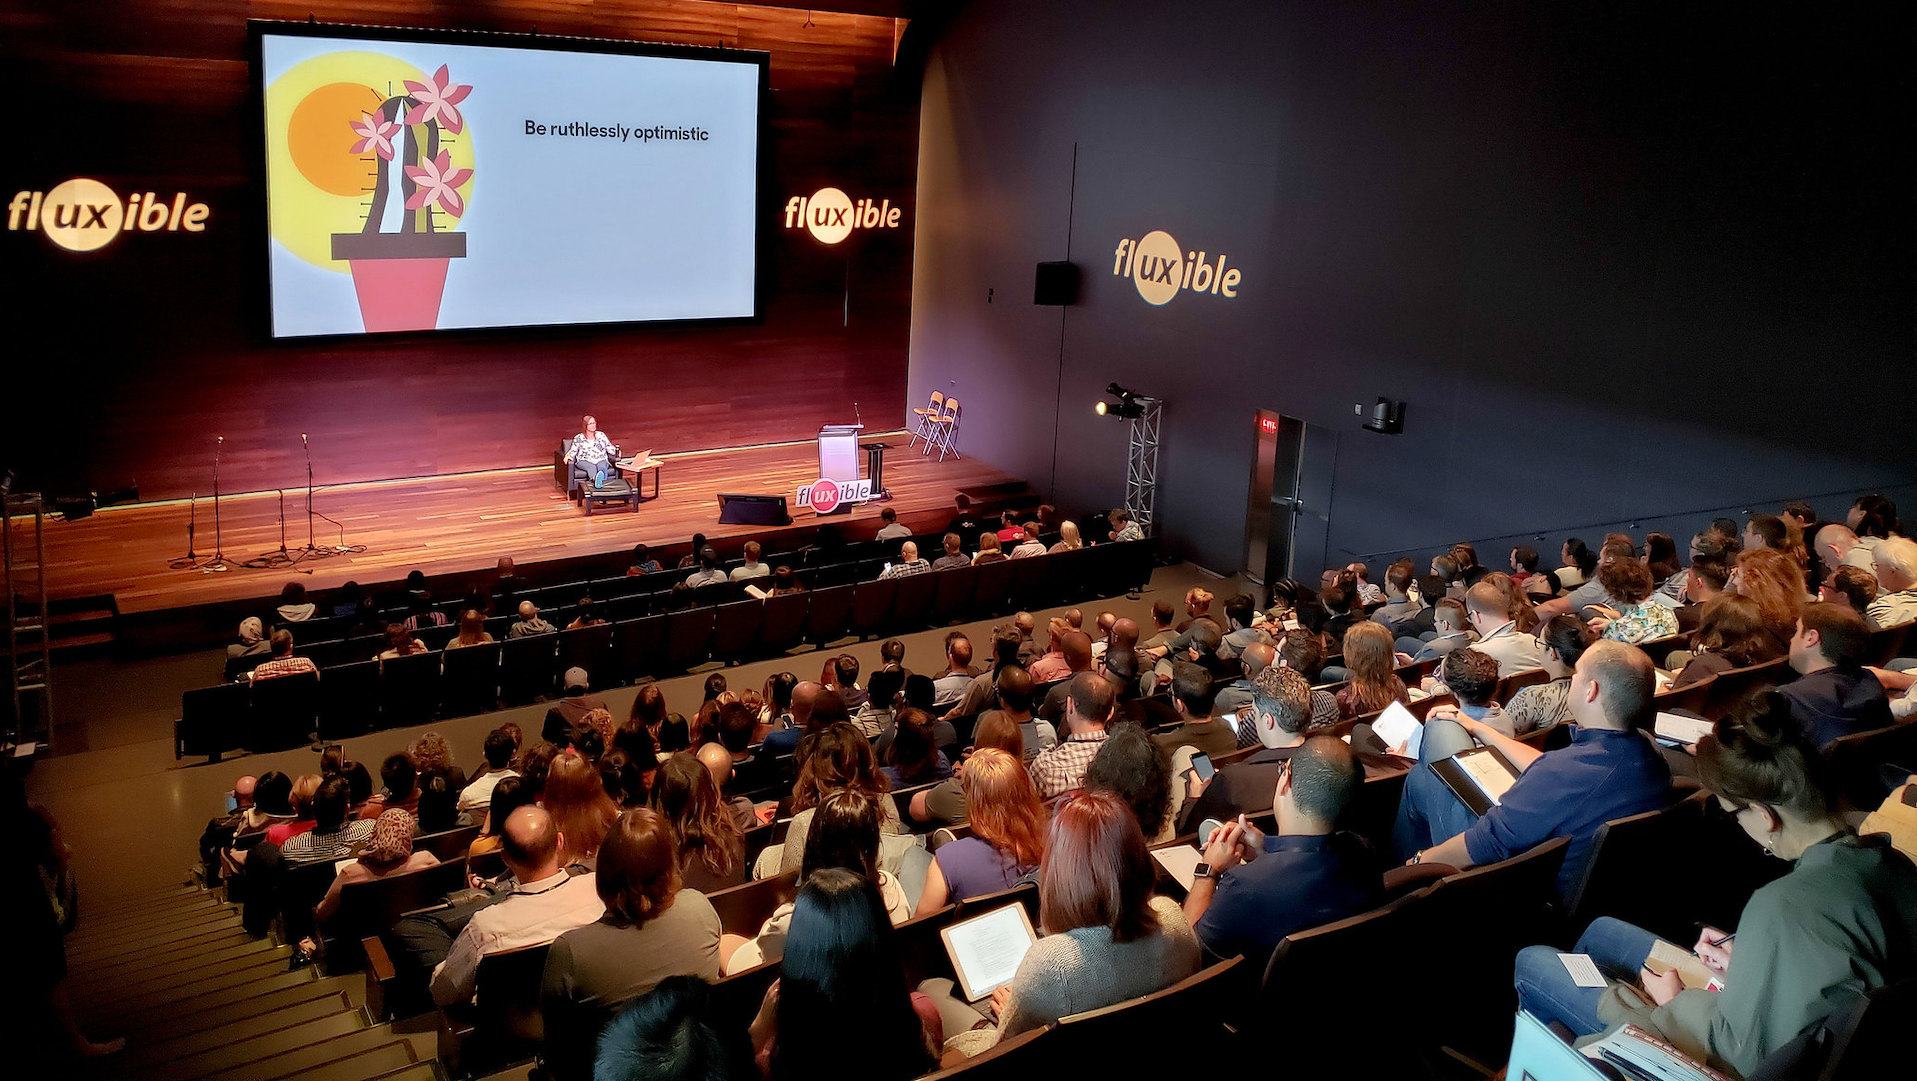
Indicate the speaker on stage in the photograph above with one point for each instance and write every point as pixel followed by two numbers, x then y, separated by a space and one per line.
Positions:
pixel 736 508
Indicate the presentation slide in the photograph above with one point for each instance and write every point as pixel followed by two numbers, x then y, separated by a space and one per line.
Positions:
pixel 418 186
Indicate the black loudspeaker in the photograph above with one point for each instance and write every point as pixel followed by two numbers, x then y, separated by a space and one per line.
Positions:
pixel 739 509
pixel 1057 284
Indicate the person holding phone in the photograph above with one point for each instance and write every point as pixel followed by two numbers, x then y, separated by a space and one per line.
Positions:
pixel 1251 890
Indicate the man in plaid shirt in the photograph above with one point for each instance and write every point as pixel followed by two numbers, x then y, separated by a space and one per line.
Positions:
pixel 1088 706
pixel 909 563
pixel 283 662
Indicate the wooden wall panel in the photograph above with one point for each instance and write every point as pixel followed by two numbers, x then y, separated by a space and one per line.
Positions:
pixel 130 361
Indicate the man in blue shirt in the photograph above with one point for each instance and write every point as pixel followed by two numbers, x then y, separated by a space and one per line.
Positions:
pixel 1833 694
pixel 1610 770
pixel 1252 890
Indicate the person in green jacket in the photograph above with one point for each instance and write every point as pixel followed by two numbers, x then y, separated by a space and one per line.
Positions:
pixel 1841 923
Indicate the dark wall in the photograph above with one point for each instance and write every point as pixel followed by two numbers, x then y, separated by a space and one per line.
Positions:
pixel 127 361
pixel 1621 262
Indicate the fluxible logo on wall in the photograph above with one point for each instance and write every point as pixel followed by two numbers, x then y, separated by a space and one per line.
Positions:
pixel 1161 269
pixel 85 215
pixel 830 215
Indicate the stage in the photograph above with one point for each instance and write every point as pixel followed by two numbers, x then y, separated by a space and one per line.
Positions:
pixel 453 527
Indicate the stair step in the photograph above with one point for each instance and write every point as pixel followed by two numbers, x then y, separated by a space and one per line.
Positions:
pixel 146 968
pixel 168 1024
pixel 173 1001
pixel 93 926
pixel 159 923
pixel 234 1030
pixel 220 973
pixel 260 967
pixel 80 615
pixel 259 1052
pixel 343 1058
pixel 201 943
pixel 418 1071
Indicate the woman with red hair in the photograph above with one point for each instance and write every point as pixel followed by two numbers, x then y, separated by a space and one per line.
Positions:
pixel 576 798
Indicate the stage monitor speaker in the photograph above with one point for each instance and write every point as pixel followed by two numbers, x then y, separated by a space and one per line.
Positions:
pixel 737 508
pixel 1057 284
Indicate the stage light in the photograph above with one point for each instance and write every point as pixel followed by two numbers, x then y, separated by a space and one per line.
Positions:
pixel 1127 406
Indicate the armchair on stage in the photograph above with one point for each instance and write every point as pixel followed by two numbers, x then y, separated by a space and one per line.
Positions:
pixel 626 485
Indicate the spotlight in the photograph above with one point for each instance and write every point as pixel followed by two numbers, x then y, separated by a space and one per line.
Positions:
pixel 1127 405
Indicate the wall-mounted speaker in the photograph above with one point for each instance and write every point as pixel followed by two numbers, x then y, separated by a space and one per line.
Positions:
pixel 1056 284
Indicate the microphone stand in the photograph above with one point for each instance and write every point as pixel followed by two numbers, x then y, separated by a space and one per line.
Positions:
pixel 312 550
pixel 219 562
pixel 190 560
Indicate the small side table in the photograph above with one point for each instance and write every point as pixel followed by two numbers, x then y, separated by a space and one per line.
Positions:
pixel 638 470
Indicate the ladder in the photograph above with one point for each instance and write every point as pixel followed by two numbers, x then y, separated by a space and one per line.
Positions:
pixel 29 661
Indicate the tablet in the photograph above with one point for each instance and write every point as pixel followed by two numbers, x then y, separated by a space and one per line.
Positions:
pixel 985 950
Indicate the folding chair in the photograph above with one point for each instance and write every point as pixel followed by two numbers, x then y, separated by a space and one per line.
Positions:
pixel 944 431
pixel 923 420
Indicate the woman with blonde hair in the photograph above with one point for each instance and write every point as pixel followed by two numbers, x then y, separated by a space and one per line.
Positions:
pixel 576 798
pixel 472 630
pixel 1776 583
pixel 1068 538
pixel 1370 657
pixel 1008 833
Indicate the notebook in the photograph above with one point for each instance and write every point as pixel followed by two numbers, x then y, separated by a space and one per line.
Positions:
pixel 985 950
pixel 1396 726
pixel 1480 777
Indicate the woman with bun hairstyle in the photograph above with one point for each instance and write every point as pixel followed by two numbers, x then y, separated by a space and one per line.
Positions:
pixel 1841 923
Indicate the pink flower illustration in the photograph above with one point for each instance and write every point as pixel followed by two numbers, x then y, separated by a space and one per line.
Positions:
pixel 439 100
pixel 438 183
pixel 375 133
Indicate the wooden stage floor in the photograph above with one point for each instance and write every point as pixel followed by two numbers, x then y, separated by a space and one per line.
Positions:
pixel 462 524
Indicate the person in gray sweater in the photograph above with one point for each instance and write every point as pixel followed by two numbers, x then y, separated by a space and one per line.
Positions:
pixel 1106 939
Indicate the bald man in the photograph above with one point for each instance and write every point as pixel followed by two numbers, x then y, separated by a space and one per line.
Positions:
pixel 909 563
pixel 785 741
pixel 545 903
pixel 718 762
pixel 1611 770
pixel 529 622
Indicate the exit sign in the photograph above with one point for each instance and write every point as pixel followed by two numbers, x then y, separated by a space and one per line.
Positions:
pixel 1268 425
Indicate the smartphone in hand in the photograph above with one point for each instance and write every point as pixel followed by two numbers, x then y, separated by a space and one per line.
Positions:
pixel 1201 765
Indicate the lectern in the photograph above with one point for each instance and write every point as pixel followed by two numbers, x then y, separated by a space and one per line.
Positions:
pixel 839 451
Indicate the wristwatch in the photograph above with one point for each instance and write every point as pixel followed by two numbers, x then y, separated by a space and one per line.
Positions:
pixel 1203 870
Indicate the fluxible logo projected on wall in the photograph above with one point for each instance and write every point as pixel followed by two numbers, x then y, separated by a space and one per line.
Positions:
pixel 85 215
pixel 370 177
pixel 1161 269
pixel 830 215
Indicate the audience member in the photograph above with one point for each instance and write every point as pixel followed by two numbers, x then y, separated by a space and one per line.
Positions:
pixel 1776 584
pixel 989 551
pixel 1250 890
pixel 1635 615
pixel 1106 937
pixel 1236 695
pixel 1088 706
pixel 472 630
pixel 509 795
pixel 837 759
pixel 1370 660
pixel 439 805
pixel 1833 694
pixel 1617 547
pixel 252 641
pixel 1498 636
pixel 582 812
pixel 389 852
pixel 1896 601
pixel 1130 766
pixel 1545 705
pixel 706 833
pixel 691 558
pixel 1068 538
pixel 565 719
pixel 1123 528
pixel 544 902
pixel 675 1033
pixel 952 555
pixel 841 966
pixel 944 803
pixel 334 836
pixel 1854 586
pixel 844 832
pixel 642 562
pixel 1281 715
pixel 399 780
pixel 1074 654
pixel 283 662
pixel 913 757
pixel 529 622
pixel 1730 634
pixel 1399 604
pixel 1301 652
pixel 909 563
pixel 1610 770
pixel 750 567
pixel 1472 678
pixel 499 750
pixel 1007 833
pixel 1841 923
pixel 653 928
pixel 1028 544
pixel 1193 700
pixel 891 530
pixel 841 674
pixel 399 643
pixel 1451 629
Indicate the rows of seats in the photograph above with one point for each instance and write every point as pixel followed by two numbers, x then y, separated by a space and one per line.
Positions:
pixel 359 696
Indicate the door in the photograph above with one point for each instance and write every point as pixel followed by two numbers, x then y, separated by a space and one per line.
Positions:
pixel 1288 521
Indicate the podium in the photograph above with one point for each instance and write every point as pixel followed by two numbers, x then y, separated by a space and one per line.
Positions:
pixel 839 451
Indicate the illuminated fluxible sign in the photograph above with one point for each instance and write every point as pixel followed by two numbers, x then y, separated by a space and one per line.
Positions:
pixel 1161 269
pixel 830 215
pixel 85 215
